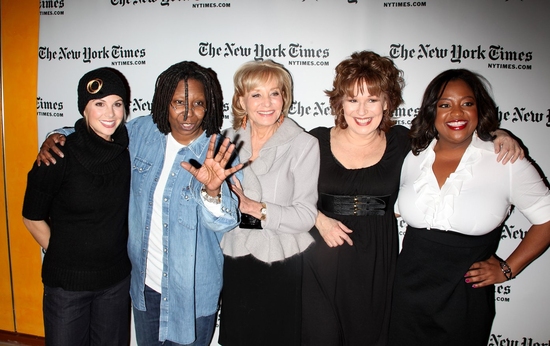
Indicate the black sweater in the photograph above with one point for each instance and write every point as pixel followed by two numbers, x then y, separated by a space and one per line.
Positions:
pixel 84 198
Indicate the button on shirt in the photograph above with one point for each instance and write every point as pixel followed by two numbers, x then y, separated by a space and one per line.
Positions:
pixel 476 198
pixel 192 260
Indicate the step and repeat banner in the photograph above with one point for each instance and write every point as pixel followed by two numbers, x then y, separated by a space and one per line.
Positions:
pixel 504 40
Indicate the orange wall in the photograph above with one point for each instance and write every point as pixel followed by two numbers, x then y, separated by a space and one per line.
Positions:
pixel 20 27
pixel 6 303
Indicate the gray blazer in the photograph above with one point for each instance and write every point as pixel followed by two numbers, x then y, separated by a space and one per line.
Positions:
pixel 284 177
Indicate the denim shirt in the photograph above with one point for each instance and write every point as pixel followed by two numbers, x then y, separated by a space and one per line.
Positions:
pixel 193 260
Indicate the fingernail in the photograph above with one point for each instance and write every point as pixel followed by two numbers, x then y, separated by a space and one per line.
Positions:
pixel 467 280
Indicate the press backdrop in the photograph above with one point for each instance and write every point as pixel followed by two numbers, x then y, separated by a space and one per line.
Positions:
pixel 504 40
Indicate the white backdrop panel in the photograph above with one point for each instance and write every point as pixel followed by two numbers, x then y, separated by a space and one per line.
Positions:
pixel 504 40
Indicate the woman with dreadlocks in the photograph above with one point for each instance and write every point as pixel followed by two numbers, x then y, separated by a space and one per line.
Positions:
pixel 178 216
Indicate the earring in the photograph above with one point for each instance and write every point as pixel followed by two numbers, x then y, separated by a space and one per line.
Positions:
pixel 281 118
pixel 243 124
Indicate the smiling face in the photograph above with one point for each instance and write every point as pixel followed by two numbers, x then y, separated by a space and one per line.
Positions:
pixel 104 115
pixel 363 112
pixel 263 104
pixel 456 118
pixel 186 129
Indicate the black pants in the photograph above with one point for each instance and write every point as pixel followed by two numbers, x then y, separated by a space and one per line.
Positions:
pixel 87 318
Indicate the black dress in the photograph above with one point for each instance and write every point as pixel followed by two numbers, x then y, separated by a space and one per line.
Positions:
pixel 346 293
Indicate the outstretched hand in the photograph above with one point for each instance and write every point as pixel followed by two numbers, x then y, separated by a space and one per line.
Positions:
pixel 44 155
pixel 213 173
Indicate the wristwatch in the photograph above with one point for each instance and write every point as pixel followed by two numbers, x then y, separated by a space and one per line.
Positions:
pixel 263 211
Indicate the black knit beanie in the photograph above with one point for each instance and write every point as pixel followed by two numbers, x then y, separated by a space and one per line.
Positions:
pixel 102 82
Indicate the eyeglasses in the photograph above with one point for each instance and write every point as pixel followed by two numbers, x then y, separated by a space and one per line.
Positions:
pixel 198 108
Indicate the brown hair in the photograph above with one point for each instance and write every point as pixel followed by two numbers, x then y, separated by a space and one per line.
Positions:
pixel 380 75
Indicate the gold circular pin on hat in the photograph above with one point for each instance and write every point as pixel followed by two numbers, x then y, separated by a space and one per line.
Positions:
pixel 94 86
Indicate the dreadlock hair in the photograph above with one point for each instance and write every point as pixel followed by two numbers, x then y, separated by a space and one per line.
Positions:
pixel 166 85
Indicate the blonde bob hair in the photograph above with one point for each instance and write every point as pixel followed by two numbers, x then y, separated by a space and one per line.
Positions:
pixel 254 73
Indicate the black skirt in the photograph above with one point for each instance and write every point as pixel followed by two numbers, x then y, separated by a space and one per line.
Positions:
pixel 432 303
pixel 261 302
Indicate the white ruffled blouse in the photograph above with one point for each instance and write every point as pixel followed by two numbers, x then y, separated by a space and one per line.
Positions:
pixel 476 198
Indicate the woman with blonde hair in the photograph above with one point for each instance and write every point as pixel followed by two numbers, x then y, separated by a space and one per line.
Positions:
pixel 261 296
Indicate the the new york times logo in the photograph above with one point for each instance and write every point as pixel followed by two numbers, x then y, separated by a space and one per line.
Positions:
pixel 499 340
pixel 502 293
pixel 52 4
pixel 46 108
pixel 52 8
pixel 261 51
pixel 349 1
pixel 511 233
pixel 140 105
pixel 315 109
pixel 140 2
pixel 524 115
pixel 456 53
pixel 88 54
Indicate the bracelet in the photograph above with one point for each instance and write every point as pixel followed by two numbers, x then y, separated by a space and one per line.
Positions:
pixel 215 200
pixel 506 269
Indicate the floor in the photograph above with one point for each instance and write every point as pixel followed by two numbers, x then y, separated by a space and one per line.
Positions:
pixel 12 339
pixel 13 343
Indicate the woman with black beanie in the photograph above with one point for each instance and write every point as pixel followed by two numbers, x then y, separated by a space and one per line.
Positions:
pixel 77 211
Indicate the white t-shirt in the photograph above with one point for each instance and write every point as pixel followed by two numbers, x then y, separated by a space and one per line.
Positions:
pixel 476 198
pixel 155 254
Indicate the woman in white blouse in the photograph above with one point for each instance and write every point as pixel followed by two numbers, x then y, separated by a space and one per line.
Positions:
pixel 455 198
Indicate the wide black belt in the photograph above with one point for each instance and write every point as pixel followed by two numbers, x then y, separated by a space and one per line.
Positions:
pixel 359 205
